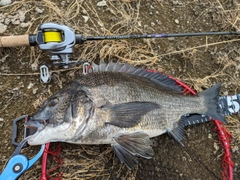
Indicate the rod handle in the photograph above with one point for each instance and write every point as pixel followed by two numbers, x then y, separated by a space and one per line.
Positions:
pixel 13 41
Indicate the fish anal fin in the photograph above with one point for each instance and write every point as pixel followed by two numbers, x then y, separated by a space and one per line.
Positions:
pixel 178 132
pixel 127 115
pixel 129 146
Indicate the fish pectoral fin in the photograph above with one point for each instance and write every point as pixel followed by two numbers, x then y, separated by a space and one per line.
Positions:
pixel 127 115
pixel 178 132
pixel 129 146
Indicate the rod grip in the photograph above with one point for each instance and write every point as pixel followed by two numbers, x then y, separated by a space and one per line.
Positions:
pixel 13 41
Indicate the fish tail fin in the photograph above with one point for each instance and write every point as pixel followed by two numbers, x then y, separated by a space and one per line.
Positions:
pixel 211 98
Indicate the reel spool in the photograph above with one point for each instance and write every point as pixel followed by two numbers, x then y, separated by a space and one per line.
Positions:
pixel 52 36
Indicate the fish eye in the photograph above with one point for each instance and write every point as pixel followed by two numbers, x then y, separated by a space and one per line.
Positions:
pixel 53 102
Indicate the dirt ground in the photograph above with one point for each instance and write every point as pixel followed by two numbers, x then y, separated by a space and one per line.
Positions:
pixel 199 62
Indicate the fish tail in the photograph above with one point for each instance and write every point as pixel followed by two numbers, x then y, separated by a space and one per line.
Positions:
pixel 211 99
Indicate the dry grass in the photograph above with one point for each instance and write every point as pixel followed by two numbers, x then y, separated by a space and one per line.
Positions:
pixel 231 16
pixel 234 128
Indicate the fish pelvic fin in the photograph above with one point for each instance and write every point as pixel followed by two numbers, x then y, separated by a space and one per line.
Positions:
pixel 129 114
pixel 178 132
pixel 124 156
pixel 211 99
pixel 129 146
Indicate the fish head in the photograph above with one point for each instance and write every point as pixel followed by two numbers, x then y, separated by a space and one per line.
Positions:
pixel 59 116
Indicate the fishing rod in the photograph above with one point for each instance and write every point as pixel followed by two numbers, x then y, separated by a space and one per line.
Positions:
pixel 160 35
pixel 50 33
pixel 59 40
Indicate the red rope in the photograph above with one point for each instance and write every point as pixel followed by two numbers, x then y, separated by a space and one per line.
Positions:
pixel 44 162
pixel 225 139
pixel 55 153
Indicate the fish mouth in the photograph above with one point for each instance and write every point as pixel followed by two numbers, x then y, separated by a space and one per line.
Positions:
pixel 37 124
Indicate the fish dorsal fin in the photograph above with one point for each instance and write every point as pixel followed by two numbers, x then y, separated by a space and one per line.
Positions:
pixel 159 78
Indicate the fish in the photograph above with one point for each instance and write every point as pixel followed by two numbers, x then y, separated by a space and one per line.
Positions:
pixel 121 105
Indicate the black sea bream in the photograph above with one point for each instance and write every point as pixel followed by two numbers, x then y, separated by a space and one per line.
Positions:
pixel 120 105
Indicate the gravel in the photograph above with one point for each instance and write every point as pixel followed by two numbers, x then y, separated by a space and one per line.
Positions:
pixel 5 2
pixel 102 3
pixel 3 28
